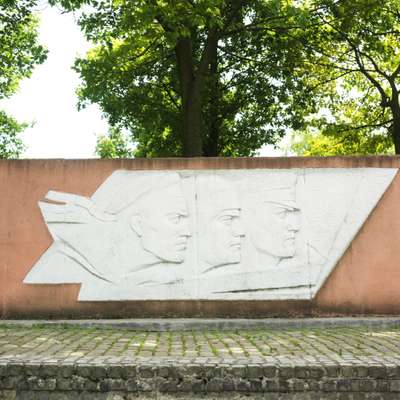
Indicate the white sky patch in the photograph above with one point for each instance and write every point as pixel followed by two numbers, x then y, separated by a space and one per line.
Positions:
pixel 48 98
pixel 269 150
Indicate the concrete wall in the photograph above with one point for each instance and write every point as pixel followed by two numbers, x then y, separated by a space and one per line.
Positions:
pixel 365 280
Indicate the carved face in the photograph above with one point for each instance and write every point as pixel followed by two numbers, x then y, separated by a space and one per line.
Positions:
pixel 163 225
pixel 220 225
pixel 273 229
pixel 225 233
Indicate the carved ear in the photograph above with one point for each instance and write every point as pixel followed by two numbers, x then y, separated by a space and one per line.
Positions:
pixel 136 224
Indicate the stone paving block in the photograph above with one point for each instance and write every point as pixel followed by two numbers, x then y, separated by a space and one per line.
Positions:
pixel 332 371
pixel 14 369
pixel 10 382
pixel 237 371
pixel 377 372
pixel 395 385
pixel 38 383
pixel 271 385
pixel 146 385
pixel 32 369
pixel 66 370
pixel 63 384
pixel 146 371
pixel 228 384
pixel 347 371
pixel 8 395
pixel 195 370
pixel 382 385
pixel 77 382
pixel 287 371
pixel 47 370
pixel 254 371
pixel 215 385
pixel 270 371
pixel 329 385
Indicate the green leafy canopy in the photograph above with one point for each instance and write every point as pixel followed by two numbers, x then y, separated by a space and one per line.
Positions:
pixel 240 59
pixel 19 53
pixel 353 67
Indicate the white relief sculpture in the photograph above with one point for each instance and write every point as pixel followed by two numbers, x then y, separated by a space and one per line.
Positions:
pixel 123 229
pixel 272 217
pixel 223 234
pixel 220 224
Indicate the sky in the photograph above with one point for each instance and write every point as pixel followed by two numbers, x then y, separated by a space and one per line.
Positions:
pixel 48 100
pixel 48 97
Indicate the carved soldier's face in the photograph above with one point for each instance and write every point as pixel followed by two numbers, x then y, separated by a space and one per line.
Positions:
pixel 163 224
pixel 220 222
pixel 225 234
pixel 274 229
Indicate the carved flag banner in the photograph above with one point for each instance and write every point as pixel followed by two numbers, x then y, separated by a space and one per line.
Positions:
pixel 256 234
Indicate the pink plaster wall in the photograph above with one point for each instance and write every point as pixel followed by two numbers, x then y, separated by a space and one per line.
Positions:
pixel 366 280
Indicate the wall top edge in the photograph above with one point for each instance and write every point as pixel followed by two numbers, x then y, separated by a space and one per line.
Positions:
pixel 218 162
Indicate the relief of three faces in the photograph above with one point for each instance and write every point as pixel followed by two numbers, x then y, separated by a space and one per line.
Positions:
pixel 260 211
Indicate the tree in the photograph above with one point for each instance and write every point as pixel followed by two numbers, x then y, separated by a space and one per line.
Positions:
pixel 113 145
pixel 353 67
pixel 311 143
pixel 11 145
pixel 193 77
pixel 19 53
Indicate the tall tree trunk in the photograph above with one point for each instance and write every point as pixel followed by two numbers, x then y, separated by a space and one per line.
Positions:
pixel 212 146
pixel 192 84
pixel 395 108
pixel 396 130
pixel 191 121
pixel 191 100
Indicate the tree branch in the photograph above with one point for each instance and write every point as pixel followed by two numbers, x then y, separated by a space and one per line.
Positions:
pixel 332 79
pixel 385 101
pixel 238 57
pixel 168 91
pixel 377 69
pixel 359 127
pixel 144 51
pixel 233 13
pixel 396 72
pixel 209 49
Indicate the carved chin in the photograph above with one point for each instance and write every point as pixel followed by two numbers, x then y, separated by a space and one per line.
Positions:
pixel 279 252
pixel 176 258
pixel 234 257
pixel 287 253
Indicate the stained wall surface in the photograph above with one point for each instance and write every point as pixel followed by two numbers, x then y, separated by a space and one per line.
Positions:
pixel 363 278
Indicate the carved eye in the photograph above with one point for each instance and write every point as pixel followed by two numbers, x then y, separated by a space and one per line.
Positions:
pixel 175 219
pixel 226 219
pixel 281 214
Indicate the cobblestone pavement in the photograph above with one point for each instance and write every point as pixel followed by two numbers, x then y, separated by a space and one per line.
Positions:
pixel 328 346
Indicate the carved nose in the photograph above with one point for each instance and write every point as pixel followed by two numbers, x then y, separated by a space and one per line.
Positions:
pixel 238 229
pixel 185 230
pixel 293 222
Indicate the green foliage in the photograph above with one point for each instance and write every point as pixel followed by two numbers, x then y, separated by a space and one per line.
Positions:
pixel 351 143
pixel 11 145
pixel 353 66
pixel 251 92
pixel 113 145
pixel 19 53
pixel 327 70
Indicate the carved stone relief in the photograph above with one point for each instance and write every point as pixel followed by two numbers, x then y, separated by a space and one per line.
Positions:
pixel 207 234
